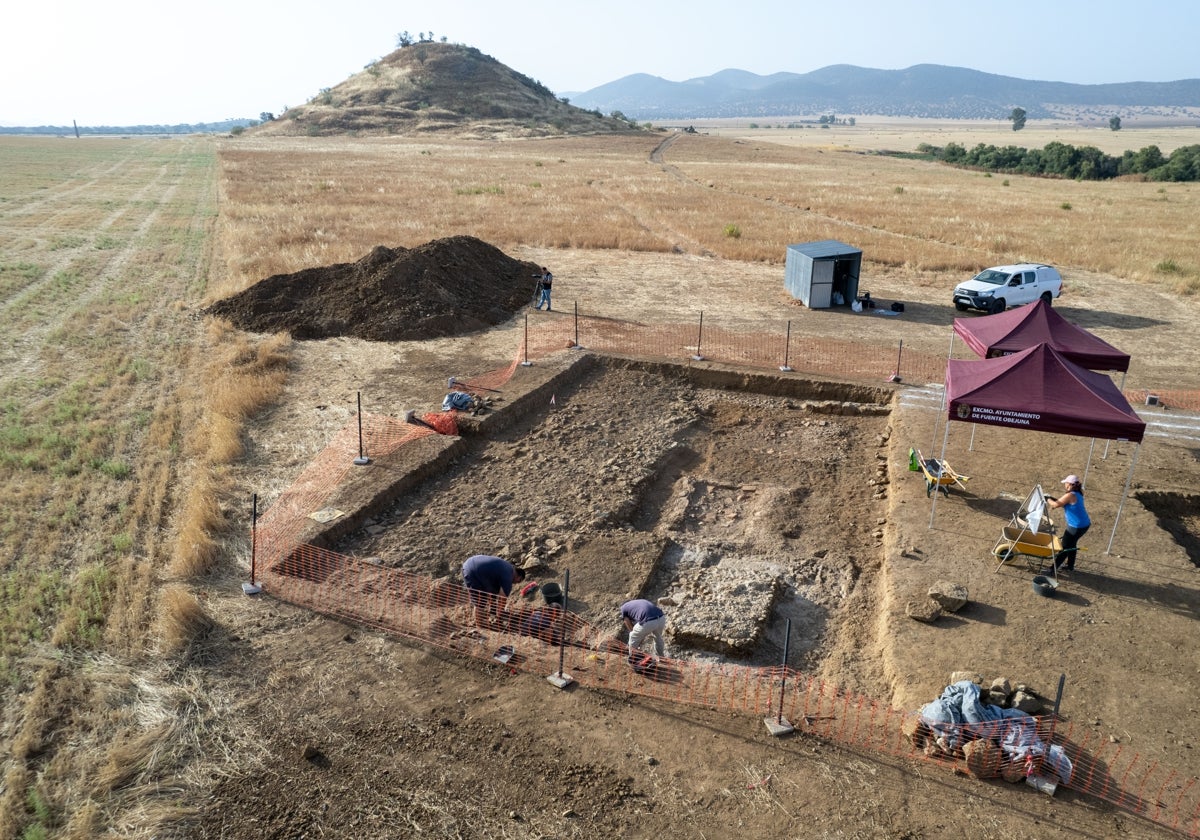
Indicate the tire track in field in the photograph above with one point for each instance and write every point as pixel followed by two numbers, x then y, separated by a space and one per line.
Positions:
pixel 681 243
pixel 21 356
pixel 101 173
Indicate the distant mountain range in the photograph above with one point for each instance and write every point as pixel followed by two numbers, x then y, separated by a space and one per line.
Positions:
pixel 438 87
pixel 925 90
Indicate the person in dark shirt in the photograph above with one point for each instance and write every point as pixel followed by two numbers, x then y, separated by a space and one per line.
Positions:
pixel 546 281
pixel 643 619
pixel 489 581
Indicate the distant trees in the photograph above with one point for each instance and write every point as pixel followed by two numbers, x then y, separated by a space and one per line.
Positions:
pixel 1061 160
pixel 266 116
pixel 1018 118
pixel 407 39
pixel 1115 123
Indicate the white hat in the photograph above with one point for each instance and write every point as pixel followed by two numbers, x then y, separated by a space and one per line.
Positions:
pixel 1071 479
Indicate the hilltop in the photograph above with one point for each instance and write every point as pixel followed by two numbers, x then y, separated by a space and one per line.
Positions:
pixel 439 87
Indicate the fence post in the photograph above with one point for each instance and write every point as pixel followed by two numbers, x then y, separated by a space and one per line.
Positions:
pixel 561 680
pixel 576 346
pixel 787 345
pixel 252 587
pixel 780 725
pixel 698 357
pixel 362 460
pixel 895 377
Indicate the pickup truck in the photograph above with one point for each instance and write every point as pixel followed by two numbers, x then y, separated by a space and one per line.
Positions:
pixel 995 289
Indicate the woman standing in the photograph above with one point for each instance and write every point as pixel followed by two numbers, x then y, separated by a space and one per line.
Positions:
pixel 1078 522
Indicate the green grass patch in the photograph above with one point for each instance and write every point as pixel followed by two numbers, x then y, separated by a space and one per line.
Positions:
pixel 114 468
pixel 65 242
pixel 492 190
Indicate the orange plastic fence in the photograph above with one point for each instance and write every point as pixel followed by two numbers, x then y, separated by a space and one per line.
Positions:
pixel 769 346
pixel 547 640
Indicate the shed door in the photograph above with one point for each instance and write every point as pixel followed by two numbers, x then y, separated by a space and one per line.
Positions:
pixel 820 296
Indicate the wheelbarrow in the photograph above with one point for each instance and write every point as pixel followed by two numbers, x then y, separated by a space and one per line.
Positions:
pixel 938 474
pixel 1017 542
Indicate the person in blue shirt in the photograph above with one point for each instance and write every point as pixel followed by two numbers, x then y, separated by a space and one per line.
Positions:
pixel 1078 522
pixel 489 581
pixel 643 619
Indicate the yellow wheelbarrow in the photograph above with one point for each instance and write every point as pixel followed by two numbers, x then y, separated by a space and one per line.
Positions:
pixel 938 474
pixel 1017 542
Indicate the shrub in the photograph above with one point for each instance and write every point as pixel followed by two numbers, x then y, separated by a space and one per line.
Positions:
pixel 1066 205
pixel 733 232
pixel 1168 266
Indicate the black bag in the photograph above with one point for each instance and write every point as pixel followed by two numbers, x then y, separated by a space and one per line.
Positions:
pixel 897 307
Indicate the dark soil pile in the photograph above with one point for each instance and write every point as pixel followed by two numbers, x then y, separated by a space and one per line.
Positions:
pixel 442 288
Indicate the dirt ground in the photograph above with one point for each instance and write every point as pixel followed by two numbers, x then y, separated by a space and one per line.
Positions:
pixel 352 733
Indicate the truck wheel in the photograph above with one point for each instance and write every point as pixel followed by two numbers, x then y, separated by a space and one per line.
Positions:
pixel 998 306
pixel 1049 298
pixel 961 307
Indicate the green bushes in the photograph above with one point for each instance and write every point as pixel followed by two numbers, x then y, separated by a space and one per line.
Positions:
pixel 1086 163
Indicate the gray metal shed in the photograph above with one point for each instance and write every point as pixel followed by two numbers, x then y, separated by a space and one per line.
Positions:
pixel 817 272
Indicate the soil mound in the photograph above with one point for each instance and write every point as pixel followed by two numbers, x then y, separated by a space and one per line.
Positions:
pixel 442 288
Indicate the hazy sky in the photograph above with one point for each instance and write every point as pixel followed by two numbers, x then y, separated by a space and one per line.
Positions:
pixel 128 62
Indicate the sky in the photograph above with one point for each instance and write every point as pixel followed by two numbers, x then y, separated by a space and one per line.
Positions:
pixel 136 62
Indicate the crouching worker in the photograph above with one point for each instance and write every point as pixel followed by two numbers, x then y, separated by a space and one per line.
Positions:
pixel 489 581
pixel 643 619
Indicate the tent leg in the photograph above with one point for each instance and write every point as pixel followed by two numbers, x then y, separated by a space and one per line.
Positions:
pixel 971 447
pixel 942 407
pixel 942 460
pixel 1121 506
pixel 1121 387
pixel 1088 465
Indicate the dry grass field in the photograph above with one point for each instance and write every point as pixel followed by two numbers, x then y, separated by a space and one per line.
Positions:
pixel 123 437
pixel 904 135
pixel 294 203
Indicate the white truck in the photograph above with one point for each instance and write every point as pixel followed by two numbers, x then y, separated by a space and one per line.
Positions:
pixel 995 289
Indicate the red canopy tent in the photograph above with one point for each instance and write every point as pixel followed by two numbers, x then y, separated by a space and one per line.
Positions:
pixel 1039 323
pixel 1039 389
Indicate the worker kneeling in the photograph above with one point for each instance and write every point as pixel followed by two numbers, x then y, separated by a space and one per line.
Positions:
pixel 643 619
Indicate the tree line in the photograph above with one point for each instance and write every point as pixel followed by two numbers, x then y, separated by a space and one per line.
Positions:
pixel 1063 160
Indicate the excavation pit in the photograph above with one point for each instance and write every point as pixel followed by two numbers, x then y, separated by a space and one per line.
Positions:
pixel 737 501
